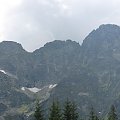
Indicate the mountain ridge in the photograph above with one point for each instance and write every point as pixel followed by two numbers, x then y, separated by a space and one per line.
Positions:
pixel 101 27
pixel 87 72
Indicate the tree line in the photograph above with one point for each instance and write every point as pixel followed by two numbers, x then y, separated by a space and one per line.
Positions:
pixel 69 112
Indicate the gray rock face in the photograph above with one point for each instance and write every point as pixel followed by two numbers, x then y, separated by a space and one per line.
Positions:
pixel 95 79
pixel 87 74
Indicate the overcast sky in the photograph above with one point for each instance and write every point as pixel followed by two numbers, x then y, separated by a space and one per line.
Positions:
pixel 35 22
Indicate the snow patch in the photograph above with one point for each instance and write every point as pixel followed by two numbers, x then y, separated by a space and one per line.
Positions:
pixel 52 86
pixel 8 74
pixel 23 88
pixel 3 71
pixel 35 90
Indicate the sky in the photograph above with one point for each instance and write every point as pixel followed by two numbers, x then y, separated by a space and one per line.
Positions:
pixel 35 22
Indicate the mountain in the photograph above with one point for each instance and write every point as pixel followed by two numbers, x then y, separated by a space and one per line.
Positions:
pixel 53 60
pixel 34 74
pixel 95 81
pixel 87 74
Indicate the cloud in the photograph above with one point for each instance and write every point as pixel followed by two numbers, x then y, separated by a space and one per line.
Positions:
pixel 35 22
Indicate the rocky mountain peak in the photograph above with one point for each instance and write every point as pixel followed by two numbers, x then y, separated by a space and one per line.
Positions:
pixel 105 37
pixel 109 27
pixel 10 47
pixel 58 44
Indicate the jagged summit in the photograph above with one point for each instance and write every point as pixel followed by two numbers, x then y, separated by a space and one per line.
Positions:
pixel 13 43
pixel 10 46
pixel 108 29
pixel 109 26
pixel 106 36
pixel 59 44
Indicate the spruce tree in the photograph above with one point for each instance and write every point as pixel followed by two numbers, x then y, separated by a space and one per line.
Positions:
pixel 67 115
pixel 93 115
pixel 74 111
pixel 112 114
pixel 55 111
pixel 70 111
pixel 38 112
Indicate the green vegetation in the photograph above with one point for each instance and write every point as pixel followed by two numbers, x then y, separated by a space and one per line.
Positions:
pixel 93 115
pixel 70 112
pixel 38 112
pixel 23 109
pixel 55 111
pixel 112 115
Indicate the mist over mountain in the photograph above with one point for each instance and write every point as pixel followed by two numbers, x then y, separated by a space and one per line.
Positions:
pixel 88 74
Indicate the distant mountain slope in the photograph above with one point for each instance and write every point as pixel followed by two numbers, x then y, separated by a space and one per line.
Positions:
pixel 99 57
pixel 52 60
pixel 89 73
pixel 41 69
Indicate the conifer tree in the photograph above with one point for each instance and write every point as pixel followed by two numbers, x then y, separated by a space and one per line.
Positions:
pixel 67 111
pixel 70 111
pixel 93 115
pixel 112 114
pixel 74 111
pixel 38 112
pixel 55 111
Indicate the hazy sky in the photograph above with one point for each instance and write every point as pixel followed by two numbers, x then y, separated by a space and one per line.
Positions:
pixel 35 22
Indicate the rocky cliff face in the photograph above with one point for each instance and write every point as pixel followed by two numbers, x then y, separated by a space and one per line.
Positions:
pixel 97 71
pixel 88 74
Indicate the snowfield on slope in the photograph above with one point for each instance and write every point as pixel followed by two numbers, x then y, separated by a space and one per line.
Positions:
pixel 3 71
pixel 34 89
pixel 52 86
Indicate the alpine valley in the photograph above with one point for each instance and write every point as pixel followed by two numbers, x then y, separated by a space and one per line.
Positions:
pixel 88 74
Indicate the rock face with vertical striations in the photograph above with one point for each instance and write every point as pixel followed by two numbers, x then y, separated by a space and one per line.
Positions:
pixel 89 74
pixel 94 79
